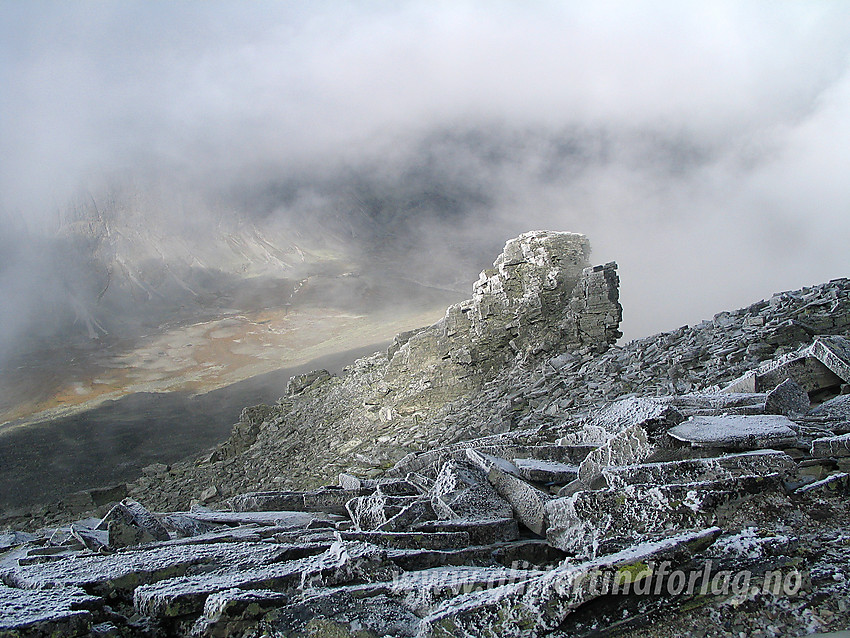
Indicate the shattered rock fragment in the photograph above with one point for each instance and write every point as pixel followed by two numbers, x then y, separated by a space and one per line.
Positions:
pixel 628 446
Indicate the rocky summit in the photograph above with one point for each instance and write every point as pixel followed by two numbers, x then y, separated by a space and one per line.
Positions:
pixel 507 471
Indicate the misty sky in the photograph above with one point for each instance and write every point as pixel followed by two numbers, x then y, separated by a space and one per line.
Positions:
pixel 704 146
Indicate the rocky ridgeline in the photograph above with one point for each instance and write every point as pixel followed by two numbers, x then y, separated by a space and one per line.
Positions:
pixel 505 472
pixel 541 297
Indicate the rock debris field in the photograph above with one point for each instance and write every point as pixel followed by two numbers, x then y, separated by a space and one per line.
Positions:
pixel 508 471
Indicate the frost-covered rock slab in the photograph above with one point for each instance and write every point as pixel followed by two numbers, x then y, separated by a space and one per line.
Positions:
pixel 280 518
pixel 373 511
pixel 130 523
pixel 342 613
pixel 652 413
pixel 838 484
pixel 13 539
pixel 422 591
pixel 831 446
pixel 718 403
pixel 583 522
pixel 126 569
pixel 185 526
pixel 227 612
pixel 823 364
pixel 326 499
pixel 834 352
pixel 414 540
pixel 481 532
pixel 546 471
pixel 527 502
pixel 836 409
pixel 539 605
pixel 567 453
pixel 59 611
pixel 341 563
pixel 760 462
pixel 419 511
pixel 737 432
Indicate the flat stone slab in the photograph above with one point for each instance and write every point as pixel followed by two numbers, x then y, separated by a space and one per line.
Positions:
pixel 327 499
pixel 278 518
pixel 341 563
pixel 831 446
pixel 540 471
pixel 126 569
pixel 59 611
pixel 759 462
pixel 487 532
pixel 412 540
pixel 737 432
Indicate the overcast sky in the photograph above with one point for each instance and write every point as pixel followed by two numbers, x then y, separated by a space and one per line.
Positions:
pixel 707 143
